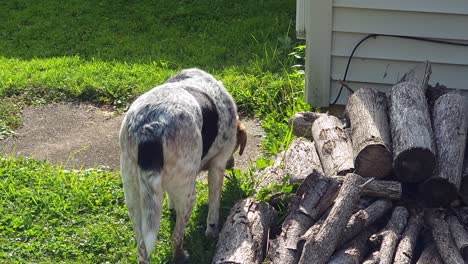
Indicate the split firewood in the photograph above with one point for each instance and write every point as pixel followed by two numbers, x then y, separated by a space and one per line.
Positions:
pixel 405 251
pixel 391 235
pixel 333 145
pixel 313 231
pixel 379 189
pixel 312 199
pixel 462 215
pixel 430 255
pixel 301 123
pixel 319 248
pixel 373 258
pixel 460 236
pixel 364 218
pixel 370 133
pixel 301 159
pixel 244 236
pixel 443 238
pixel 450 128
pixel 410 123
pixel 354 251
pixel 464 181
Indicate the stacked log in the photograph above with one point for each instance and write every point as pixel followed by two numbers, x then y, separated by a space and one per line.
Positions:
pixel 450 128
pixel 313 197
pixel 443 238
pixel 301 159
pixel 410 123
pixel 333 145
pixel 405 253
pixel 370 133
pixel 349 206
pixel 244 236
pixel 319 248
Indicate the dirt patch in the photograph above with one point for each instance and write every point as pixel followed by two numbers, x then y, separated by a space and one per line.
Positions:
pixel 84 136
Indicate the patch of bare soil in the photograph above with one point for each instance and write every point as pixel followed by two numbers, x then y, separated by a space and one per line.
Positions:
pixel 85 136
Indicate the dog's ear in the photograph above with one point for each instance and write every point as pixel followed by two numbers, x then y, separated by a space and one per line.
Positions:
pixel 241 137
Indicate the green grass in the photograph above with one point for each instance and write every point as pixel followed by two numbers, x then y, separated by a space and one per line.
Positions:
pixel 109 52
pixel 50 215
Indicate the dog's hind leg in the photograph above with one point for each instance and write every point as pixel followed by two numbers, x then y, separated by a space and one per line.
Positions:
pixel 183 200
pixel 215 184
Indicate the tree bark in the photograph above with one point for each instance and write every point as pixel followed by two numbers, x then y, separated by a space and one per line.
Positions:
pixel 391 234
pixel 464 181
pixel 407 245
pixel 373 258
pixel 354 251
pixel 318 249
pixel 462 215
pixel 430 255
pixel 301 123
pixel 245 233
pixel 301 159
pixel 313 230
pixel 333 145
pixel 370 133
pixel 460 236
pixel 449 124
pixel 312 199
pixel 410 123
pixel 443 239
pixel 272 174
pixel 364 218
pixel 379 189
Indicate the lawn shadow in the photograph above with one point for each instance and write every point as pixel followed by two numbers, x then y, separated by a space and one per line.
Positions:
pixel 180 33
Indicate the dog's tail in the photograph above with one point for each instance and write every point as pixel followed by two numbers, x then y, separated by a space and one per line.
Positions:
pixel 150 147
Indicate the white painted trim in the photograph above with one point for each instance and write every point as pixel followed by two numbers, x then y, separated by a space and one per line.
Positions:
pixel 318 52
pixel 301 19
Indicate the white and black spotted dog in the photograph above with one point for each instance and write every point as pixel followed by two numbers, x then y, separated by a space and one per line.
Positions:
pixel 170 134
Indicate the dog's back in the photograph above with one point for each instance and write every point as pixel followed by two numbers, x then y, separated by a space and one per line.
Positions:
pixel 168 135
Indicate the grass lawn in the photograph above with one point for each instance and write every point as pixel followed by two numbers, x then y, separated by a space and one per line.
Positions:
pixel 109 52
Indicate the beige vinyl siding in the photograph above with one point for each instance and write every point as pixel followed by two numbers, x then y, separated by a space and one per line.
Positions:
pixel 380 62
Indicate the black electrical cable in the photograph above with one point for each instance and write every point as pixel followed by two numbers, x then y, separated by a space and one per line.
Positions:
pixel 394 36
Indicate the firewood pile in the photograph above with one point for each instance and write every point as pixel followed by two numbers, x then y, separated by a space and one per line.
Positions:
pixel 388 183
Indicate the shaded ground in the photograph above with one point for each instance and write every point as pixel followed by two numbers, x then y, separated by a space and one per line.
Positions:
pixel 84 136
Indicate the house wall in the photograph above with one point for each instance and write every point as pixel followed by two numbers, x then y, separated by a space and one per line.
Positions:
pixel 335 27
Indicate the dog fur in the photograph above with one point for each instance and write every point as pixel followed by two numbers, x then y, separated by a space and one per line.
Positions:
pixel 168 136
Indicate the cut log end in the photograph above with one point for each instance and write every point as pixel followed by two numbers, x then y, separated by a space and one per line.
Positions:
pixel 464 187
pixel 464 253
pixel 414 165
pixel 374 161
pixel 438 192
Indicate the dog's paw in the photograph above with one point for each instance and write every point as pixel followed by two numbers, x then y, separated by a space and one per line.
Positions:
pixel 212 230
pixel 142 254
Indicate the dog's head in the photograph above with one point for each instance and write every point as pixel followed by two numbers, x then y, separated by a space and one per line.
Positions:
pixel 241 141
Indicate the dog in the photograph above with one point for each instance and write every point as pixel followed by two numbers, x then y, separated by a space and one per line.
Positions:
pixel 170 134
